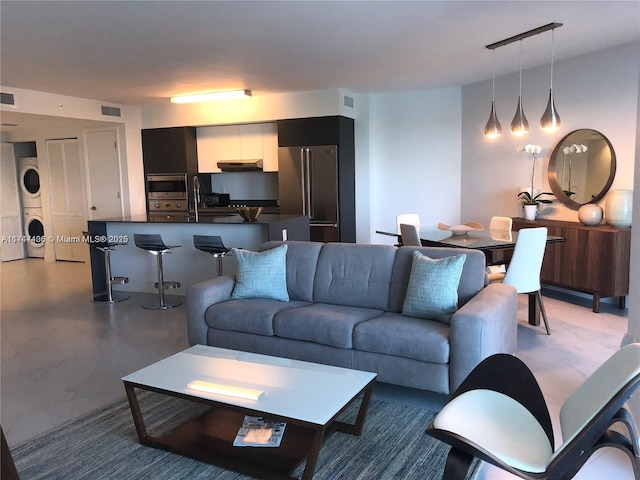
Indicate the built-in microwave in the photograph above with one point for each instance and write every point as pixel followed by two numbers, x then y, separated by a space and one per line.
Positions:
pixel 162 186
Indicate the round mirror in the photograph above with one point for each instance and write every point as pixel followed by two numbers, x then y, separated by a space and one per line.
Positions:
pixel 581 168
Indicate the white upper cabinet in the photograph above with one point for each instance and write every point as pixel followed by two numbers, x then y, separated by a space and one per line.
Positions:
pixel 270 147
pixel 237 142
pixel 208 149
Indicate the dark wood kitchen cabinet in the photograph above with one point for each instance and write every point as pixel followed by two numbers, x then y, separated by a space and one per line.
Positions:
pixel 170 150
pixel 331 130
pixel 594 259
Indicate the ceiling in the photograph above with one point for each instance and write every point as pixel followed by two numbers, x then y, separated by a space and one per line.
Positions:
pixel 142 52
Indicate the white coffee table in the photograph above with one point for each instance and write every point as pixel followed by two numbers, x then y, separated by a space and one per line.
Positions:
pixel 307 396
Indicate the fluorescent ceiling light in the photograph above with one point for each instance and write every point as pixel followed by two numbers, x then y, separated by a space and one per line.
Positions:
pixel 228 390
pixel 212 96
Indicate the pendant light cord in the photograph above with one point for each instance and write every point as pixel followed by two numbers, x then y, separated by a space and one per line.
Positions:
pixel 493 65
pixel 553 31
pixel 520 90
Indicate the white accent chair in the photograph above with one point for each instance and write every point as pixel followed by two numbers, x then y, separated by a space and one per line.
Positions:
pixel 410 235
pixel 407 219
pixel 499 415
pixel 523 271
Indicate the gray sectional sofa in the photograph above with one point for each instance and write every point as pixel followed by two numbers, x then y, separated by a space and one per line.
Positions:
pixel 345 308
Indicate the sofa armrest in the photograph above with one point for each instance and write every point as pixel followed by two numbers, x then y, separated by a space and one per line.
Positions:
pixel 485 325
pixel 201 296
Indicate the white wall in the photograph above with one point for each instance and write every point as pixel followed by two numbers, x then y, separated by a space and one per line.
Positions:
pixel 128 125
pixel 597 91
pixel 364 185
pixel 633 334
pixel 415 158
pixel 258 108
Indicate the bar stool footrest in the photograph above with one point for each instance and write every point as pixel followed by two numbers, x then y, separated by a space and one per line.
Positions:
pixel 168 285
pixel 119 280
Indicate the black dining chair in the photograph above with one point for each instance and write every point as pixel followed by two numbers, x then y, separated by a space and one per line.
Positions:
pixel 498 414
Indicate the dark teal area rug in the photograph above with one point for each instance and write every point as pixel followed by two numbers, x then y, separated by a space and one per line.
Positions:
pixel 104 445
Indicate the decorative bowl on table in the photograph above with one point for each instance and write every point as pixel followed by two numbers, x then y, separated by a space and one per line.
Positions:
pixel 249 214
pixel 463 229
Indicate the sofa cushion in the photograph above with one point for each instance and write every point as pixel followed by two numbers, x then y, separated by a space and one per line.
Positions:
pixel 433 287
pixel 400 336
pixel 261 274
pixel 302 258
pixel 254 315
pixel 322 323
pixel 354 275
pixel 471 281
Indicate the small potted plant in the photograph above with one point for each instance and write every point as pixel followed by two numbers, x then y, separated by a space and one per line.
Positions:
pixel 529 199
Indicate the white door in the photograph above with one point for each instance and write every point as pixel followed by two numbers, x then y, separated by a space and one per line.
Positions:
pixel 103 167
pixel 12 246
pixel 68 199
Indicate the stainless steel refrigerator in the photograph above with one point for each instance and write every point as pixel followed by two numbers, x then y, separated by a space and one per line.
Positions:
pixel 308 184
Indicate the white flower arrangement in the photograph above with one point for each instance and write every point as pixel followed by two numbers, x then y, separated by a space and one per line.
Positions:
pixel 527 197
pixel 530 148
pixel 574 149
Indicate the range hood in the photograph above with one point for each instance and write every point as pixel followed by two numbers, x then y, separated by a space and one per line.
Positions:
pixel 240 165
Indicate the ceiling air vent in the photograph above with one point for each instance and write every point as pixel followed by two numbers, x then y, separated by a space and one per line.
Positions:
pixel 348 101
pixel 110 111
pixel 7 99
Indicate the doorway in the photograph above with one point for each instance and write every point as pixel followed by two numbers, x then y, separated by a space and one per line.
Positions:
pixel 68 199
pixel 104 179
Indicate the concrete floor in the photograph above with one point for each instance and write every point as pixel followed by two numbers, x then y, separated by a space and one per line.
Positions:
pixel 63 356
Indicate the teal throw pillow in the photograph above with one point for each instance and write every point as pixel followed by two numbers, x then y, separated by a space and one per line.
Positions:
pixel 432 291
pixel 261 274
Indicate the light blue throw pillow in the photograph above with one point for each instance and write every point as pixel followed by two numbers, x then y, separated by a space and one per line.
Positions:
pixel 261 274
pixel 432 291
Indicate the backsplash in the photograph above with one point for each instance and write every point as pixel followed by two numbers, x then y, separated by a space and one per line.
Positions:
pixel 246 185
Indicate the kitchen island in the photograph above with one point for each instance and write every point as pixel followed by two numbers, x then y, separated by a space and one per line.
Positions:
pixel 185 264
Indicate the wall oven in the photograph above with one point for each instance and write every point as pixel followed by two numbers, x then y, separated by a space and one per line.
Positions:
pixel 167 185
pixel 167 199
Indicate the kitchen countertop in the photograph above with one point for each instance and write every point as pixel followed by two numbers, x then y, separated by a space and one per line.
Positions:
pixel 209 217
pixel 186 265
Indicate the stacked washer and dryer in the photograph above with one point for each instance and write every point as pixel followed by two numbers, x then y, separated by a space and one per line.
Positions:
pixel 30 194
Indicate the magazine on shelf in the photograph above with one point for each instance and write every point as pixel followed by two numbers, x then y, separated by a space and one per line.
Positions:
pixel 258 432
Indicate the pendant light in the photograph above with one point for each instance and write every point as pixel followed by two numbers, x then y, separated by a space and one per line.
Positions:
pixel 550 119
pixel 493 128
pixel 519 124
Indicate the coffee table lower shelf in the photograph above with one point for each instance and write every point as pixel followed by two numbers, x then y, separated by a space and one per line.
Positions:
pixel 209 438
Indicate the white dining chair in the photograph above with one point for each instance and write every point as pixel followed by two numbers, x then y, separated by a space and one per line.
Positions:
pixel 410 235
pixel 499 227
pixel 407 219
pixel 523 271
pixel 500 223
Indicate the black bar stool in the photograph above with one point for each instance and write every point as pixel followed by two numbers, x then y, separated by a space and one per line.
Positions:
pixel 212 244
pixel 153 244
pixel 99 242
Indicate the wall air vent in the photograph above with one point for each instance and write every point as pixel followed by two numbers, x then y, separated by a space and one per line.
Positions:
pixel 110 111
pixel 7 99
pixel 348 101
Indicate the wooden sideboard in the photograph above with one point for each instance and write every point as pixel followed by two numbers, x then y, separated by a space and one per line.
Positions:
pixel 593 260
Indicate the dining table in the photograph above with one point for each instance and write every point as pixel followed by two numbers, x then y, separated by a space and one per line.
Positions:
pixel 497 246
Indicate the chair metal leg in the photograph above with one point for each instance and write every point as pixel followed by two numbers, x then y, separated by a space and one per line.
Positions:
pixel 457 466
pixel 162 304
pixel 110 296
pixel 219 264
pixel 543 312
